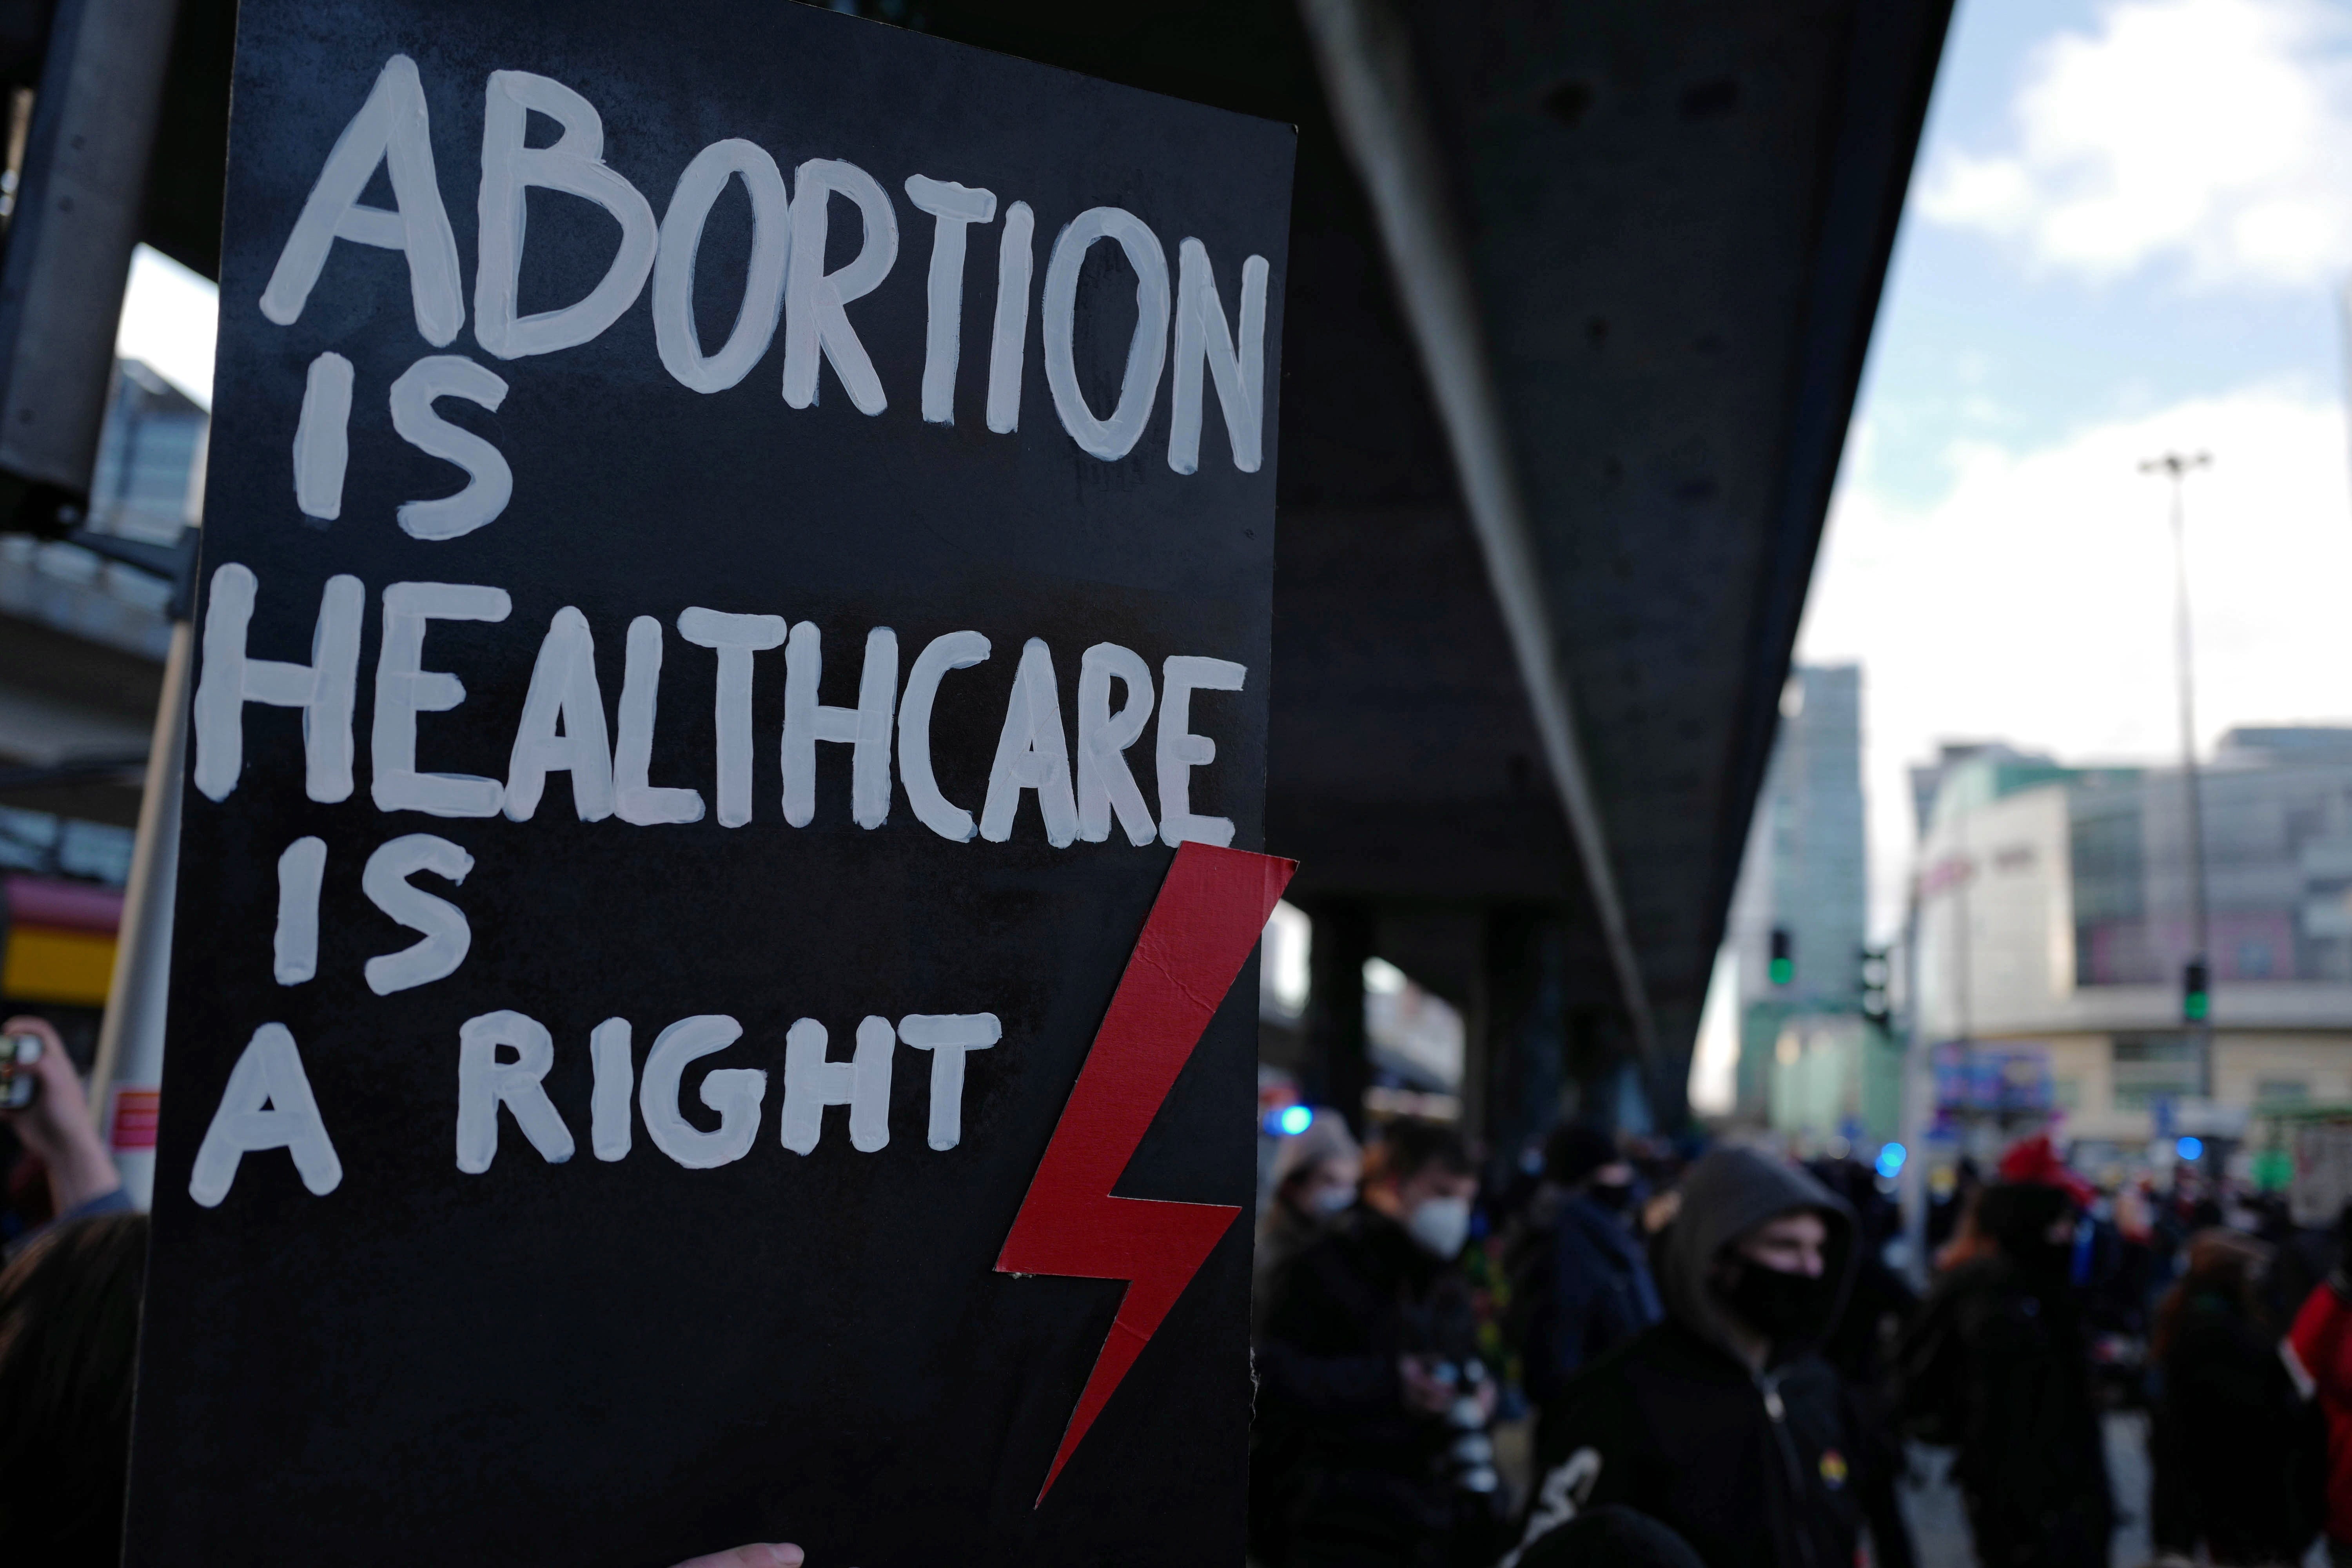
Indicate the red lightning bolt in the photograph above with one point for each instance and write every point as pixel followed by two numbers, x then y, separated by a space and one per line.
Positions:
pixel 1201 930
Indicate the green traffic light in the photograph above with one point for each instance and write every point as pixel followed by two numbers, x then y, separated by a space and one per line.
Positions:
pixel 2195 1005
pixel 1783 971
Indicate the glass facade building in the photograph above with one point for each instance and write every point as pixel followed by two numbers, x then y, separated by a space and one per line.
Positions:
pixel 2055 917
pixel 2278 856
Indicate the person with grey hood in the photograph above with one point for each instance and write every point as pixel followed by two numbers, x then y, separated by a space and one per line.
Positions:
pixel 1316 1175
pixel 1722 1422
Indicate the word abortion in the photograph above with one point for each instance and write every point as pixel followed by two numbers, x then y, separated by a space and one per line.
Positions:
pixel 785 282
pixel 562 726
pixel 267 1103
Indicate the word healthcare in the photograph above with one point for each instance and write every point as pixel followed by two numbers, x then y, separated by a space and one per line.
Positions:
pixel 561 726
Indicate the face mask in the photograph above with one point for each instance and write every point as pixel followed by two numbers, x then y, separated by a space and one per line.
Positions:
pixel 1617 1196
pixel 1783 1305
pixel 1329 1201
pixel 1440 1225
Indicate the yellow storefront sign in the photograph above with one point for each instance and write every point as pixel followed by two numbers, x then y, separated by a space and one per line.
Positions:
pixel 45 964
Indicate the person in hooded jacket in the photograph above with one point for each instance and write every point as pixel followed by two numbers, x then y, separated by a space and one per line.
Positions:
pixel 2239 1458
pixel 1581 1283
pixel 1721 1421
pixel 1369 1353
pixel 1996 1364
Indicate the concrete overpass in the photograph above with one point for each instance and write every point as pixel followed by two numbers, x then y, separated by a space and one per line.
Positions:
pixel 1578 306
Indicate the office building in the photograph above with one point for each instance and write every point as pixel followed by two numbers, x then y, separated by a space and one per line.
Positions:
pixel 2054 922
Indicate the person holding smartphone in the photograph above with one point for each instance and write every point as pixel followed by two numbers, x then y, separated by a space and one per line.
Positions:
pixel 55 1125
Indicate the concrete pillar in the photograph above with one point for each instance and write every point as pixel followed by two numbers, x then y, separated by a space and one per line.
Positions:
pixel 1595 1066
pixel 1515 1071
pixel 1339 1067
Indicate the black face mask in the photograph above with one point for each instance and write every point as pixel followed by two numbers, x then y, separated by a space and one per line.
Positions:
pixel 1783 1305
pixel 1617 1196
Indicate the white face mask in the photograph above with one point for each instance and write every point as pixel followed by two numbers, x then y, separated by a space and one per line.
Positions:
pixel 1331 1200
pixel 1440 1224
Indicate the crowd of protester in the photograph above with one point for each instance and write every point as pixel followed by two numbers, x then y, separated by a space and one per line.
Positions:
pixel 1700 1359
pixel 1722 1362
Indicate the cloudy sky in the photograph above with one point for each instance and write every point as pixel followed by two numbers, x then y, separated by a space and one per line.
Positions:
pixel 2128 233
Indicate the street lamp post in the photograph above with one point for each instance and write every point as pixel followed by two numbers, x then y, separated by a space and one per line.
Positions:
pixel 2177 466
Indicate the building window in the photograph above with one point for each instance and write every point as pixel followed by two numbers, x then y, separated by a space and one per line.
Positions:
pixel 2152 1067
pixel 2282 1092
pixel 2111 946
pixel 2253 961
pixel 2066 1093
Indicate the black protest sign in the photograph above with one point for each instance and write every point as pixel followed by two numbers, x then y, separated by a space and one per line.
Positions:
pixel 737 576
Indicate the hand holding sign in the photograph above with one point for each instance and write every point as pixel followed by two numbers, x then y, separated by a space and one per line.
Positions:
pixel 752 1556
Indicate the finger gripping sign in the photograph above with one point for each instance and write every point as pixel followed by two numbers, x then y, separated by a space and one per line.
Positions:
pixel 710 995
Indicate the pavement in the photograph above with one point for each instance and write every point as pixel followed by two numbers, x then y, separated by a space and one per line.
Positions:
pixel 1939 1525
pixel 1939 1528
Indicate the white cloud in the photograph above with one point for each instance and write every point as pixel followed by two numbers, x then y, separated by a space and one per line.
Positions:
pixel 2033 602
pixel 2214 135
pixel 170 319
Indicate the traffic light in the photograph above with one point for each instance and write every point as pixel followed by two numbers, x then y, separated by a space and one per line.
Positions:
pixel 1875 972
pixel 1783 967
pixel 2196 992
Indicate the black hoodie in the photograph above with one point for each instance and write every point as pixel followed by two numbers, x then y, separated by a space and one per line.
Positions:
pixel 1755 1470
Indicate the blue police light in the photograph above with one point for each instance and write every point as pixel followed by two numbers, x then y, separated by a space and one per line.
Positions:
pixel 1295 1120
pixel 1890 1160
pixel 2190 1149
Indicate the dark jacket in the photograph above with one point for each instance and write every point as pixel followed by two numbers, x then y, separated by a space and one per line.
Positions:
pixel 1769 1469
pixel 2239 1457
pixel 1995 1365
pixel 1283 1233
pixel 1372 1485
pixel 1582 1288
pixel 1277 1434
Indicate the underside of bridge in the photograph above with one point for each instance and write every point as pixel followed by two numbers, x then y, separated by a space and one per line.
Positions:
pixel 1576 310
pixel 1578 304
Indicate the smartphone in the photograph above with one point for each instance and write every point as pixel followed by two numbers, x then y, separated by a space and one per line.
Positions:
pixel 19 1085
